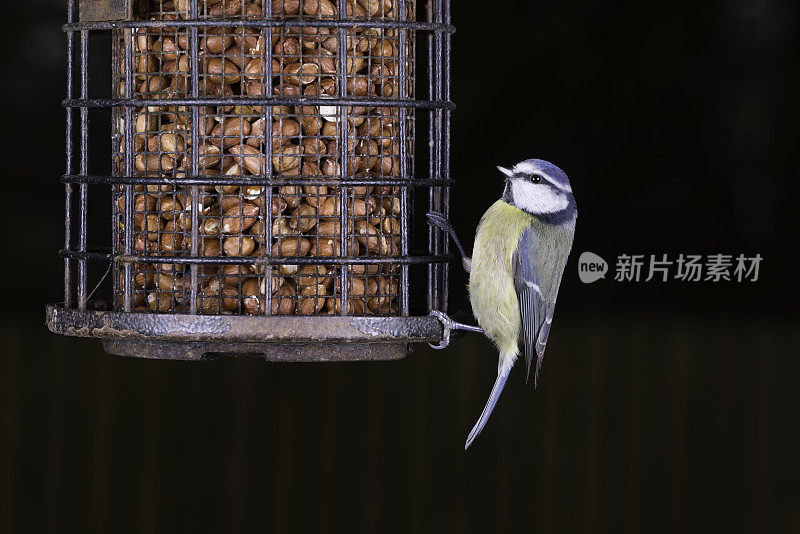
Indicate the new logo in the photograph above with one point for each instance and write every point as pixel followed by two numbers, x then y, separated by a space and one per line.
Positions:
pixel 591 267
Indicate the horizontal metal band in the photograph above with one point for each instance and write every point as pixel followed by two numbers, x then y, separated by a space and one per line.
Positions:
pixel 260 260
pixel 263 23
pixel 241 328
pixel 251 180
pixel 252 101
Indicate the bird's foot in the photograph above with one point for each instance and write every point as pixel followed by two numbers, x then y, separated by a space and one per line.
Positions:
pixel 437 219
pixel 441 221
pixel 449 325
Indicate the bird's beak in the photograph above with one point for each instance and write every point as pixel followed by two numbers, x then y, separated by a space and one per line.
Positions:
pixel 508 172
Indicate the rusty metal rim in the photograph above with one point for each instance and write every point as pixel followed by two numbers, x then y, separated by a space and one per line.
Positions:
pixel 241 329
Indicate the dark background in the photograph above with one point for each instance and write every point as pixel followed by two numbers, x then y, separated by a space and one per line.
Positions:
pixel 663 407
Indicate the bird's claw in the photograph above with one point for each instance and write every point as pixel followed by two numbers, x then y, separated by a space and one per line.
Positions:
pixel 446 323
pixel 449 325
pixel 437 219
pixel 443 223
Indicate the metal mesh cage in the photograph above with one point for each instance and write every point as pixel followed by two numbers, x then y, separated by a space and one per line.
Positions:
pixel 264 167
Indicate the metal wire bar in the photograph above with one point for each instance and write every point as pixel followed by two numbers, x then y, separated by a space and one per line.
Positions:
pixel 252 101
pixel 83 191
pixel 69 142
pixel 433 233
pixel 116 190
pixel 408 181
pixel 284 260
pixel 404 234
pixel 445 148
pixel 195 159
pixel 263 23
pixel 129 144
pixel 343 141
pixel 267 90
pixel 439 149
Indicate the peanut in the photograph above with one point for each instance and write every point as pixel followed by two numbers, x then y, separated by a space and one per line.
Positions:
pixel 239 218
pixel 238 246
pixel 285 303
pixel 250 158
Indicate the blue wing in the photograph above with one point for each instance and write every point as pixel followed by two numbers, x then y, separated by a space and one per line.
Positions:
pixel 536 313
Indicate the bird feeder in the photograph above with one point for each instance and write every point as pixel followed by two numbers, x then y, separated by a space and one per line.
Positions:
pixel 264 169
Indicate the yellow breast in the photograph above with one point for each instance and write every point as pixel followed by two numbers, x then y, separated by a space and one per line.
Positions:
pixel 491 281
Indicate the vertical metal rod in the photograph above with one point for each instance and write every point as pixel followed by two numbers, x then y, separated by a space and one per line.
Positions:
pixel 343 138
pixel 435 198
pixel 84 168
pixel 267 90
pixel 129 148
pixel 404 174
pixel 432 234
pixel 446 153
pixel 440 238
pixel 116 159
pixel 195 163
pixel 69 143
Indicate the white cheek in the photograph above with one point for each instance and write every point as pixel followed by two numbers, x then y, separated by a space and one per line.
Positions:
pixel 537 198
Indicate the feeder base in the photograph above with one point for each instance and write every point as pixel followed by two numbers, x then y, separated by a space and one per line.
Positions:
pixel 274 338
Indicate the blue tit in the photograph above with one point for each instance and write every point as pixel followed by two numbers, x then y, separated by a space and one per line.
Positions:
pixel 521 247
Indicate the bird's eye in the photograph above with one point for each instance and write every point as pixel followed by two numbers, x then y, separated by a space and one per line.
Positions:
pixel 536 178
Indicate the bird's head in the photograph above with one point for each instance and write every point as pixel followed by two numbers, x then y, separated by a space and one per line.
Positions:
pixel 538 187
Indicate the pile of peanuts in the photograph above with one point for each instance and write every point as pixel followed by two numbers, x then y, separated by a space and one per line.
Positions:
pixel 293 142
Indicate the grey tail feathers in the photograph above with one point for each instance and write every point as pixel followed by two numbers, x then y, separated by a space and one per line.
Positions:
pixel 502 376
